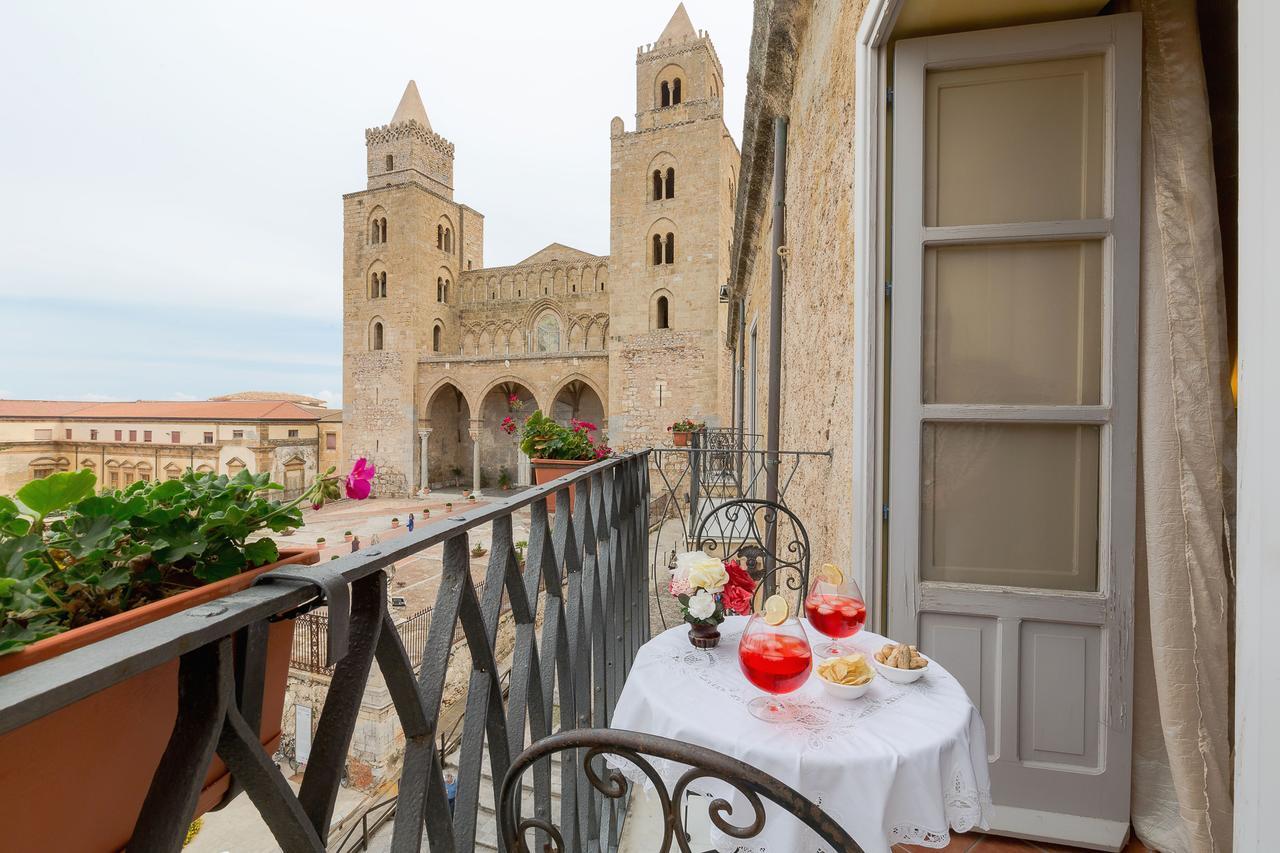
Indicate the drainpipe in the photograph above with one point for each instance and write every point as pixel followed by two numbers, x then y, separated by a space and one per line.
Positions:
pixel 775 325
pixel 739 390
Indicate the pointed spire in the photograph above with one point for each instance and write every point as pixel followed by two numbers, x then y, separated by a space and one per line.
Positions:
pixel 411 107
pixel 678 28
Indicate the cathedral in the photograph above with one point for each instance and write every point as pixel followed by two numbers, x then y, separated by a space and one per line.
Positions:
pixel 438 348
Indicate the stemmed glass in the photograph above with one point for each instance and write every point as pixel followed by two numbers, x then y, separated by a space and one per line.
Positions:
pixel 775 656
pixel 835 609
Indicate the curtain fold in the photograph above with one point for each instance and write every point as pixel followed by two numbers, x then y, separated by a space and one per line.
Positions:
pixel 1182 742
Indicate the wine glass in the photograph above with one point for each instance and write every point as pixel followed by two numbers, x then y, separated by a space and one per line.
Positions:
pixel 774 655
pixel 835 609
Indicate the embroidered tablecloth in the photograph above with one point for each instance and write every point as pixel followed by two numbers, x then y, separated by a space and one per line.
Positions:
pixel 904 763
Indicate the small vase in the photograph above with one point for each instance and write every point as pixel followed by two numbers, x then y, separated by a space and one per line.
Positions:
pixel 704 636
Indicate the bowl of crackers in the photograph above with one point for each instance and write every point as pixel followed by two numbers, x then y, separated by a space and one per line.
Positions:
pixel 847 676
pixel 900 663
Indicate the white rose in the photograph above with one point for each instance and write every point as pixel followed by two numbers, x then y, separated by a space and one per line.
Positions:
pixel 708 574
pixel 702 605
pixel 686 561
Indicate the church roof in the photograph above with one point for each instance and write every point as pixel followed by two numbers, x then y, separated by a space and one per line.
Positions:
pixel 554 252
pixel 411 107
pixel 678 28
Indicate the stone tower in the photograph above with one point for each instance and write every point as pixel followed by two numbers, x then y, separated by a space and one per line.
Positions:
pixel 671 205
pixel 405 241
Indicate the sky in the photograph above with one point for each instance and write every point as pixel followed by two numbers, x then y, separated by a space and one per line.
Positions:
pixel 172 173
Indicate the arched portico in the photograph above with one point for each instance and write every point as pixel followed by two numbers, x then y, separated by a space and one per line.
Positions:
pixel 445 442
pixel 578 398
pixel 498 451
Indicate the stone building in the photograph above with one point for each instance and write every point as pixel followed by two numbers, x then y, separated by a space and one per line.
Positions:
pixel 158 440
pixel 438 348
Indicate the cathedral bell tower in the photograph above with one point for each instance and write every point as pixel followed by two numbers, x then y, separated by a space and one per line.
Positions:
pixel 672 217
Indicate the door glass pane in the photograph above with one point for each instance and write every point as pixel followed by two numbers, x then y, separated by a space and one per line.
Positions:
pixel 1011 504
pixel 1013 323
pixel 1015 143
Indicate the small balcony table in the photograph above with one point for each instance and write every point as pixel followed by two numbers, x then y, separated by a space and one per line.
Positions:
pixel 902 764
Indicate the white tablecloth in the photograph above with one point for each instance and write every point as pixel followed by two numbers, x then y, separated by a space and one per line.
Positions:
pixel 901 764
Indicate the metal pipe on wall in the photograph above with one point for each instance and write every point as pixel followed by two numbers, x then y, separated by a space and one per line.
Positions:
pixel 777 250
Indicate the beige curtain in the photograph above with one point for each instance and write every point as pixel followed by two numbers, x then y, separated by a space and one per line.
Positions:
pixel 1182 745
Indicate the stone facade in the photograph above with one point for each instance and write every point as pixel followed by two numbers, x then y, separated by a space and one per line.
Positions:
pixel 125 442
pixel 438 348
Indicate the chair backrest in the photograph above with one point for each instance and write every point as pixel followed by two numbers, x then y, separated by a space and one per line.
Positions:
pixel 599 744
pixel 766 538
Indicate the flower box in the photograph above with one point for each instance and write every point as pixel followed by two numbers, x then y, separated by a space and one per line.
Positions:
pixel 680 439
pixel 546 470
pixel 75 780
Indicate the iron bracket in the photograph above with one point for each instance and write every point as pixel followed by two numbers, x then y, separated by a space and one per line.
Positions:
pixel 334 592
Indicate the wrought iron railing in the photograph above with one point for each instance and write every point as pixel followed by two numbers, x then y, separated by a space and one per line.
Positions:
pixel 579 609
pixel 718 467
pixel 311 640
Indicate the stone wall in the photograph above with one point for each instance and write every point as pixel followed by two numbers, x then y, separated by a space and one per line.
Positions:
pixel 817 344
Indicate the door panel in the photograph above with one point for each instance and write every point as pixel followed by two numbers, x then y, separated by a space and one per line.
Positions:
pixel 1015 143
pixel 1013 398
pixel 1010 504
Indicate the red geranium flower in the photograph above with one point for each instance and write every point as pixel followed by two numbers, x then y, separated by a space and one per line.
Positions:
pixel 508 425
pixel 360 480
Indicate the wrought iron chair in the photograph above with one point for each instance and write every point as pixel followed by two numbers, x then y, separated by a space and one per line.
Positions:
pixel 766 538
pixel 752 783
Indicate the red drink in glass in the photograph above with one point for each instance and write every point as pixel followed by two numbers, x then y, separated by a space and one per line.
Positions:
pixel 835 616
pixel 776 663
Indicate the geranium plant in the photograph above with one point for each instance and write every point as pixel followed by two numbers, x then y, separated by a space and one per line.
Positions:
pixel 69 557
pixel 543 438
pixel 686 425
pixel 709 589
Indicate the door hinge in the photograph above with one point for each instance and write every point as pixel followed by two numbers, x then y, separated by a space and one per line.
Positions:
pixel 888 96
pixel 888 290
pixel 884 512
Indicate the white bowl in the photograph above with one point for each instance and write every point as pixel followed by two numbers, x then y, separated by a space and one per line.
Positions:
pixel 899 676
pixel 846 691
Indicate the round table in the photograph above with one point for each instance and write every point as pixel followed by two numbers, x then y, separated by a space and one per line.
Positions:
pixel 902 764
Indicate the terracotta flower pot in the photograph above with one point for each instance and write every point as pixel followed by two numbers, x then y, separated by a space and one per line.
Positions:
pixel 704 636
pixel 99 753
pixel 680 439
pixel 546 470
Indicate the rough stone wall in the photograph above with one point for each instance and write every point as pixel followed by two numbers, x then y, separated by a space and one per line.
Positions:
pixel 817 345
pixel 661 375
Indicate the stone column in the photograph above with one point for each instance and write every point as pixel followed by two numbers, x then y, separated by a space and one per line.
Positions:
pixel 476 426
pixel 424 477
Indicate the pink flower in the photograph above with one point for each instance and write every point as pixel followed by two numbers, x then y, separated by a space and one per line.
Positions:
pixel 602 451
pixel 508 425
pixel 360 480
pixel 679 586
pixel 582 426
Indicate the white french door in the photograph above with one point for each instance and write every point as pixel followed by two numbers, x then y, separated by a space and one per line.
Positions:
pixel 1013 398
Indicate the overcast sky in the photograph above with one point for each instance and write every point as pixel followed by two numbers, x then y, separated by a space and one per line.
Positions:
pixel 172 173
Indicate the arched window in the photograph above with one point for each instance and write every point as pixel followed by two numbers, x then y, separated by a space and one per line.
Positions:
pixel 373 285
pixel 661 321
pixel 602 285
pixel 383 228
pixel 657 184
pixel 675 92
pixel 657 249
pixel 666 94
pixel 440 289
pixel 382 284
pixel 377 336
pixel 447 282
pixel 390 162
pixel 546 333
pixel 671 248
pixel 435 338
pixel 439 236
pixel 375 233
pixel 448 240
pixel 671 182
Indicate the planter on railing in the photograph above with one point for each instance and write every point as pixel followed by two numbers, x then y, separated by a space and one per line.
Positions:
pixel 546 470
pixel 75 779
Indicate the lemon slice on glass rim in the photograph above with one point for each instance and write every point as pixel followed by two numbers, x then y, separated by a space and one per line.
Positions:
pixel 830 573
pixel 776 610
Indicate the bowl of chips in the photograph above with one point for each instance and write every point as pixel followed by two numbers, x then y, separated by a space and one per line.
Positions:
pixel 847 676
pixel 901 663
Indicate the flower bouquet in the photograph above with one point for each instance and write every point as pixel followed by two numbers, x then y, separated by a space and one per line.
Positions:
pixel 708 590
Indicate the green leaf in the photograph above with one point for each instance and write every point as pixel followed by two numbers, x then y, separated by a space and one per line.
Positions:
pixel 167 491
pixel 261 552
pixel 57 491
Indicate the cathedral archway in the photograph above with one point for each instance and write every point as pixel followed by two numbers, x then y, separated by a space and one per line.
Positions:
pixel 499 451
pixel 579 399
pixel 449 444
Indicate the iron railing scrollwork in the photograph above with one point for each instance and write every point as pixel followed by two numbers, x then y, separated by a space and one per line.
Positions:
pixel 578 612
pixel 597 746
pixel 769 540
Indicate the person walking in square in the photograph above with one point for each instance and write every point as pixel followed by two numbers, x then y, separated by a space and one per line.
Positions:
pixel 410 525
